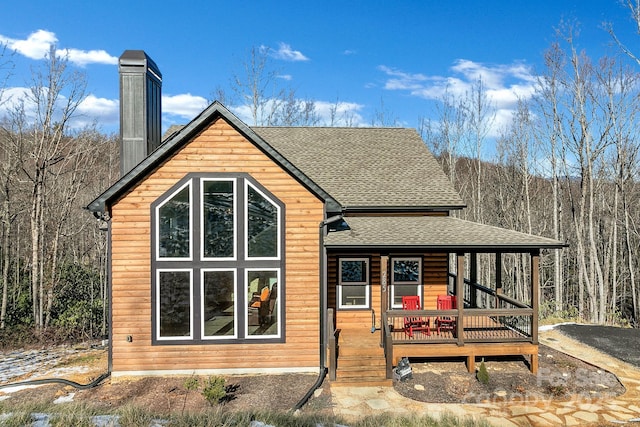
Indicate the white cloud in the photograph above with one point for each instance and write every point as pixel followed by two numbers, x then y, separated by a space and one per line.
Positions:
pixel 186 106
pixel 504 85
pixel 11 97
pixel 345 113
pixel 83 57
pixel 105 112
pixel 38 44
pixel 286 53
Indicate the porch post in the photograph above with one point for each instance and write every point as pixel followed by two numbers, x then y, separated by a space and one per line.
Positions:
pixel 460 297
pixel 535 293
pixel 498 279
pixel 473 277
pixel 384 294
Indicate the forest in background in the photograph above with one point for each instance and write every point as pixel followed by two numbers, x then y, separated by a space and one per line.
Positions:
pixel 566 167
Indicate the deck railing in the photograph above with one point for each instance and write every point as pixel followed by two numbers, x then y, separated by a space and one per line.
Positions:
pixel 478 325
pixel 487 317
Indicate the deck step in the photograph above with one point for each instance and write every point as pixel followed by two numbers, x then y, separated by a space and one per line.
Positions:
pixel 361 361
pixel 353 362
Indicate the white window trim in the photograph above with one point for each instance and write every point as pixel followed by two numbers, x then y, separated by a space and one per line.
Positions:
pixel 178 338
pixel 235 305
pixel 157 230
pixel 393 282
pixel 247 184
pixel 235 219
pixel 277 308
pixel 366 284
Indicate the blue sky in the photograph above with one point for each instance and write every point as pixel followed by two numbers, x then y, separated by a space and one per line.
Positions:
pixel 371 56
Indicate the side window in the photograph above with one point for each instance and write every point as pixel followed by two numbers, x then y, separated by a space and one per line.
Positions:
pixel 353 283
pixel 174 225
pixel 406 279
pixel 174 299
pixel 262 225
pixel 218 263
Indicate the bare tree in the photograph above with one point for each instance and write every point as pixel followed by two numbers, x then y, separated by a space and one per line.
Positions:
pixel 257 90
pixel 53 100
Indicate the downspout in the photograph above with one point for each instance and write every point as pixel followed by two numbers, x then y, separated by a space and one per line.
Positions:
pixel 323 311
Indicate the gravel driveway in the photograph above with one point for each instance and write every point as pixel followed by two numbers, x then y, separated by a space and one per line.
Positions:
pixel 621 343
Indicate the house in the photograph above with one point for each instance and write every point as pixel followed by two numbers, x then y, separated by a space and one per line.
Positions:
pixel 238 249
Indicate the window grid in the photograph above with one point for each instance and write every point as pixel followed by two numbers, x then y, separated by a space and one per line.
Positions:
pixel 202 304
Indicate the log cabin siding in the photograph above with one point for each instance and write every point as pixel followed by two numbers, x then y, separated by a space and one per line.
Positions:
pixel 435 267
pixel 218 149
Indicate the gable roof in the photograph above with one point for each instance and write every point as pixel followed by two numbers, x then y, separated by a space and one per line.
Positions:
pixel 433 233
pixel 181 137
pixel 367 169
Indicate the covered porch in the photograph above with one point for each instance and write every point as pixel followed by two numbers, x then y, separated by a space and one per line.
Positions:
pixel 485 320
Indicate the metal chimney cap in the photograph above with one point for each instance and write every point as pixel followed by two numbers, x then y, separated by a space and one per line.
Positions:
pixel 139 58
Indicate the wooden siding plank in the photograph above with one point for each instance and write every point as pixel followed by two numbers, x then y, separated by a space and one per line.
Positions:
pixel 218 149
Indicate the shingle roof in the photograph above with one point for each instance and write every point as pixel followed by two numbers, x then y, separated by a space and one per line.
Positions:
pixel 431 232
pixel 366 167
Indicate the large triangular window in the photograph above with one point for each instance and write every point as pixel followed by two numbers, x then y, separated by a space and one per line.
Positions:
pixel 218 262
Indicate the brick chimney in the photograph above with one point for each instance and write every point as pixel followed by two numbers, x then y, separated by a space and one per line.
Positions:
pixel 140 108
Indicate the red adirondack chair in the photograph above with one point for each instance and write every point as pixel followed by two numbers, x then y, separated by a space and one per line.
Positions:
pixel 446 323
pixel 414 323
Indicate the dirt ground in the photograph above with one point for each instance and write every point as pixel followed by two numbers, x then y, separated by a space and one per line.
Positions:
pixel 559 377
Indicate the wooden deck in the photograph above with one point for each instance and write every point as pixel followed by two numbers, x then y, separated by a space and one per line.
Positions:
pixel 482 333
pixel 360 357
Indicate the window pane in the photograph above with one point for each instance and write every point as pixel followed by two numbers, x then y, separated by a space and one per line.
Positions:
pixel 406 271
pixel 262 294
pixel 174 293
pixel 353 271
pixel 218 300
pixel 174 226
pixel 403 290
pixel 354 295
pixel 218 219
pixel 262 225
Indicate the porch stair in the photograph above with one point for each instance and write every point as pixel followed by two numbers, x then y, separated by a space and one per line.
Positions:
pixel 361 361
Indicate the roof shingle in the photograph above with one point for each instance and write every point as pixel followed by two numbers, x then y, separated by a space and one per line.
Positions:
pixel 366 167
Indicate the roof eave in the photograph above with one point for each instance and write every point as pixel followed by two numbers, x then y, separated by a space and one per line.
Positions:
pixel 403 209
pixel 450 248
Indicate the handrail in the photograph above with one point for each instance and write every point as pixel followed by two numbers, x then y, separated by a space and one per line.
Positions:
pixel 387 344
pixel 492 292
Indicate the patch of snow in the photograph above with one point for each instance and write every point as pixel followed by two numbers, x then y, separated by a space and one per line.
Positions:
pixel 20 363
pixel 550 327
pixel 106 420
pixel 64 399
pixel 9 390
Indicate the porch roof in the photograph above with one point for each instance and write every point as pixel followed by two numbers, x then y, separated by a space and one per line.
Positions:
pixel 432 232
